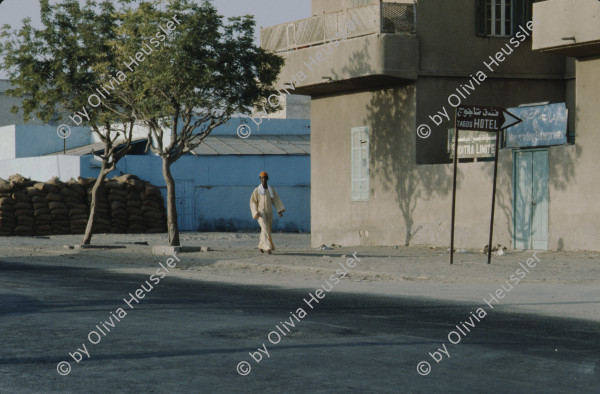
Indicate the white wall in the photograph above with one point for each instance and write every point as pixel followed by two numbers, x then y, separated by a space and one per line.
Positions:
pixel 43 168
pixel 18 141
pixel 7 142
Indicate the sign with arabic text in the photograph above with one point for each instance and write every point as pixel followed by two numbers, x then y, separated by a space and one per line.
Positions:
pixel 542 125
pixel 475 117
pixel 472 144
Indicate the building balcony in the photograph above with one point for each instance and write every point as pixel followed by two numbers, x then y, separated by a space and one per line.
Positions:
pixel 567 27
pixel 358 47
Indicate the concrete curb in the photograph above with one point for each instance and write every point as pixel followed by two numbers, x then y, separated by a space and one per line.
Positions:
pixel 79 247
pixel 170 250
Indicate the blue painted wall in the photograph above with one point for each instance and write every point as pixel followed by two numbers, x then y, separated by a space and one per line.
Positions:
pixel 33 141
pixel 265 126
pixel 223 185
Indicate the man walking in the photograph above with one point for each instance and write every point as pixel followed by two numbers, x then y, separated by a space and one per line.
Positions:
pixel 263 197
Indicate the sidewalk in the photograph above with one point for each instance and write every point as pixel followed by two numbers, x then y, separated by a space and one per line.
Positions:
pixel 565 284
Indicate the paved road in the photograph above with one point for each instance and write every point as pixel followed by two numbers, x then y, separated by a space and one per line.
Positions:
pixel 188 337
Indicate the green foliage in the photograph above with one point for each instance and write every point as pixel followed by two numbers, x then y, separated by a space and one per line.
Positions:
pixel 205 70
pixel 188 81
pixel 57 67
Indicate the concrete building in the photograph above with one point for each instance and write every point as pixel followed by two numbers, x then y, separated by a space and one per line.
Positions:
pixel 213 185
pixel 384 80
pixel 571 28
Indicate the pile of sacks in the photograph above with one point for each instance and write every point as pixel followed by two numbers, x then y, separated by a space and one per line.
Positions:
pixel 125 204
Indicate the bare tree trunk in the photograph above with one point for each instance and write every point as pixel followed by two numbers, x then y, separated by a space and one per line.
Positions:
pixel 171 205
pixel 87 237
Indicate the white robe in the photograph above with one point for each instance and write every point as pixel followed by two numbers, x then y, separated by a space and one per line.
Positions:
pixel 261 207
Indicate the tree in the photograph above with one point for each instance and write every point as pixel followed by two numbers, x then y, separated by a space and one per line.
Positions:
pixel 67 69
pixel 190 72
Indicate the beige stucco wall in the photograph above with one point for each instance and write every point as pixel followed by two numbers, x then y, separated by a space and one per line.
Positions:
pixel 450 53
pixel 574 171
pixel 449 45
pixel 501 92
pixel 293 106
pixel 562 23
pixel 411 203
pixel 392 55
pixel 408 203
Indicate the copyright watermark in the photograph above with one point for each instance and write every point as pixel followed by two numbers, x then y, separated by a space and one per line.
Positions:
pixel 244 368
pixel 474 318
pixel 288 326
pixel 312 65
pixel 244 131
pixel 424 131
pixel 423 368
pixel 63 131
pixel 467 89
pixel 103 328
pixel 63 368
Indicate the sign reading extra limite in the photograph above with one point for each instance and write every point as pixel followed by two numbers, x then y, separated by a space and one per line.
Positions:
pixel 479 118
pixel 472 143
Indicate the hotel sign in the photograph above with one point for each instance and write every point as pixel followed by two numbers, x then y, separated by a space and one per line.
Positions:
pixel 473 117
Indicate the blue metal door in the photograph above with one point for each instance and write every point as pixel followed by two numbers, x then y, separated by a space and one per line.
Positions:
pixel 531 199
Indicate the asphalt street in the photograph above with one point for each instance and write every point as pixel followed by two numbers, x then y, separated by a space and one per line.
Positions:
pixel 191 337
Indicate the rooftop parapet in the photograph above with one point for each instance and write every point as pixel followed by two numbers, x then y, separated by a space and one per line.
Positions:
pixel 396 18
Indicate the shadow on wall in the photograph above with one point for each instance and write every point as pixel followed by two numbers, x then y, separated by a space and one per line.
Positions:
pixel 562 162
pixel 390 115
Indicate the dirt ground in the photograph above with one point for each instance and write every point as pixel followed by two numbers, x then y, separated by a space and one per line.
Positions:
pixel 563 284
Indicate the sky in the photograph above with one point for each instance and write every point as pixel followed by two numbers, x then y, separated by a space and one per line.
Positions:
pixel 266 12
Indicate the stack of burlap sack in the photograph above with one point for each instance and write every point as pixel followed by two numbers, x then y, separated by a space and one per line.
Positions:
pixel 125 204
